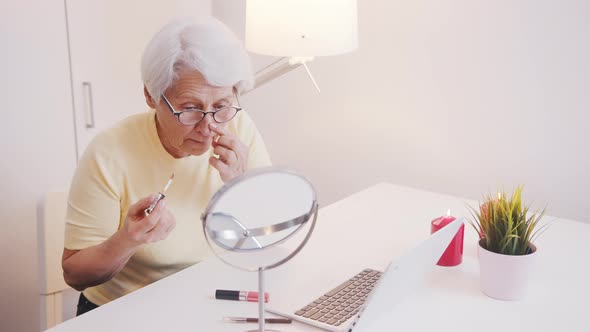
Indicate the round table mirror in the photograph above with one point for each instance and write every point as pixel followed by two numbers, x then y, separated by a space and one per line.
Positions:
pixel 260 220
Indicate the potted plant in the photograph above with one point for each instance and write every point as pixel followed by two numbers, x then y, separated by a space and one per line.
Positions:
pixel 506 251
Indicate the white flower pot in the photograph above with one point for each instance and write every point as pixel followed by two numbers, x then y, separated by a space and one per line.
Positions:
pixel 505 277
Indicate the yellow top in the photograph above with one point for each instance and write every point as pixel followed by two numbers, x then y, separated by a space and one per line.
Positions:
pixel 128 162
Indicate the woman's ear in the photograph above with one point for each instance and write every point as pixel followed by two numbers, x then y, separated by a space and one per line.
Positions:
pixel 148 98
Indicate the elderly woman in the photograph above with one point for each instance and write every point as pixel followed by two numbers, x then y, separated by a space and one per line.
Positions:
pixel 193 73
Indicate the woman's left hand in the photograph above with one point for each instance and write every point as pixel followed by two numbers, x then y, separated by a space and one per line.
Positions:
pixel 232 154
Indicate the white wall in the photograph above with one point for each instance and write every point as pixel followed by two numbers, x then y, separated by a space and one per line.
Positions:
pixel 462 97
pixel 37 146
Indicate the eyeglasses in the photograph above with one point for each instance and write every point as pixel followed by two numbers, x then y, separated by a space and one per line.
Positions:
pixel 192 116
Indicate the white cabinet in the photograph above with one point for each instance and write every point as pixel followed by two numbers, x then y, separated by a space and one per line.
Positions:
pixel 107 39
pixel 36 144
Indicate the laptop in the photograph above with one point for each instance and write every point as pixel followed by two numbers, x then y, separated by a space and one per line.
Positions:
pixel 363 302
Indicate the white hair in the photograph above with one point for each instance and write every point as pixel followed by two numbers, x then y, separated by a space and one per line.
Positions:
pixel 206 45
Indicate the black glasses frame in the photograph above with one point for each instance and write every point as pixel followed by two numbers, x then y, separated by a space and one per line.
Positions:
pixel 177 113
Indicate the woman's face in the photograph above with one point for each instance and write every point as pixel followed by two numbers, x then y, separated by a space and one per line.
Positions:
pixel 190 90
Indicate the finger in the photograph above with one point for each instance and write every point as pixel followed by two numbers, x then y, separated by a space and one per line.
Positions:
pixel 171 225
pixel 169 218
pixel 151 220
pixel 160 232
pixel 225 155
pixel 157 232
pixel 229 141
pixel 219 165
pixel 168 229
pixel 138 208
pixel 219 130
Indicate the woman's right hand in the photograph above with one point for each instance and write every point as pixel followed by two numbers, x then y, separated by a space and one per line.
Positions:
pixel 141 228
pixel 100 263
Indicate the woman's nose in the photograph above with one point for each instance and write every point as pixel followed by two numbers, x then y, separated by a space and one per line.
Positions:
pixel 203 126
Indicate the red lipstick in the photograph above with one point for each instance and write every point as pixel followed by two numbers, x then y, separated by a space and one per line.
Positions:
pixel 234 295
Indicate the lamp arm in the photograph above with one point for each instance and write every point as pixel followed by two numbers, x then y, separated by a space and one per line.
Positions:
pixel 272 71
pixel 281 66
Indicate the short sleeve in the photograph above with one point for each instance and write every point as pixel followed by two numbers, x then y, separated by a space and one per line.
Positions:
pixel 94 208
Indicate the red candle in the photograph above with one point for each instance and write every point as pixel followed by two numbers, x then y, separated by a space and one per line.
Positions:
pixel 453 255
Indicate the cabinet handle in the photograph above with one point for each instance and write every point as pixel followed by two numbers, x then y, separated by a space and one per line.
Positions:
pixel 89 104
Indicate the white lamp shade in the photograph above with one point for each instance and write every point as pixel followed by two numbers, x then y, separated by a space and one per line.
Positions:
pixel 301 28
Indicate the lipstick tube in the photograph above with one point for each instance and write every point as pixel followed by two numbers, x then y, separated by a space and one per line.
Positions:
pixel 234 295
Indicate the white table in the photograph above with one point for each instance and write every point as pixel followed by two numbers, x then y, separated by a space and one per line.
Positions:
pixel 368 229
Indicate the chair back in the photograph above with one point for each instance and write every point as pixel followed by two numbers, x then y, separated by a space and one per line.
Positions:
pixel 51 238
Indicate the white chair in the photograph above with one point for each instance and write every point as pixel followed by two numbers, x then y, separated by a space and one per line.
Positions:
pixel 51 227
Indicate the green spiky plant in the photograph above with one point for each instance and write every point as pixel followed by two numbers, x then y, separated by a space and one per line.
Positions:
pixel 503 226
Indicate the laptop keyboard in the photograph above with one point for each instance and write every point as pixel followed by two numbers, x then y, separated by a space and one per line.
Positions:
pixel 342 302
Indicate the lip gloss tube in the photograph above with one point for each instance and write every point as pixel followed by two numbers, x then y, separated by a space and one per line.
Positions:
pixel 159 196
pixel 234 295
pixel 156 200
pixel 255 320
